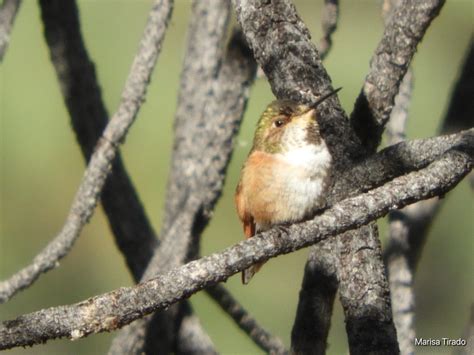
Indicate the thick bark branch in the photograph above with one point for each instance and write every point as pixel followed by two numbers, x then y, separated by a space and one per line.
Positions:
pixel 214 92
pixel 395 160
pixel 8 12
pixel 282 47
pixel 115 309
pixel 261 337
pixel 100 163
pixel 405 28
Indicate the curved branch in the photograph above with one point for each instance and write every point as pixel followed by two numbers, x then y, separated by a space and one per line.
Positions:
pixel 117 308
pixel 100 163
pixel 266 341
pixel 79 85
pixel 8 12
pixel 404 30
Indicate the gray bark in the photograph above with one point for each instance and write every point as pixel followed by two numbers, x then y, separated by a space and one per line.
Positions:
pixel 117 308
pixel 212 99
pixel 105 151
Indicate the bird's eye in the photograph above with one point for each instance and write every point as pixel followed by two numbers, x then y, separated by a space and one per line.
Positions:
pixel 279 123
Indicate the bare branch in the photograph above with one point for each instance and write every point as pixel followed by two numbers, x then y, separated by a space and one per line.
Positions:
pixel 400 280
pixel 76 74
pixel 282 46
pixel 132 230
pixel 329 24
pixel 318 291
pixel 405 29
pixel 8 12
pixel 409 226
pixel 399 115
pixel 395 160
pixel 204 52
pixel 266 341
pixel 115 309
pixel 214 92
pixel 100 164
pixel 191 337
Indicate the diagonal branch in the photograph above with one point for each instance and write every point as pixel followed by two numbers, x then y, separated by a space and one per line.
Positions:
pixel 79 85
pixel 117 308
pixel 405 28
pixel 99 166
pixel 131 228
pixel 213 96
pixel 267 342
pixel 281 44
pixel 8 12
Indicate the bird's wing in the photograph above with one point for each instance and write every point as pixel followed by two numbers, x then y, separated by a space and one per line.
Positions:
pixel 244 215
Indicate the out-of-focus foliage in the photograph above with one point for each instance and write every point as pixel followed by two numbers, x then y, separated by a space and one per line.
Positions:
pixel 41 167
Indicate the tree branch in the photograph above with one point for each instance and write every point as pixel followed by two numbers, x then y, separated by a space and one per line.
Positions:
pixel 212 99
pixel 115 309
pixel 8 12
pixel 131 228
pixel 404 30
pixel 261 337
pixel 281 44
pixel 409 226
pixel 99 166
pixel 318 292
pixel 329 25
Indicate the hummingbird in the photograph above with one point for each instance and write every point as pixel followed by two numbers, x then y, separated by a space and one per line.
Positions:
pixel 287 172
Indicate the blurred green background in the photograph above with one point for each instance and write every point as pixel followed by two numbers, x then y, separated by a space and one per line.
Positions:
pixel 41 167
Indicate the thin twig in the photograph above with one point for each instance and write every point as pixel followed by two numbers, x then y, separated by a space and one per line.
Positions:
pixel 266 341
pixel 100 164
pixel 115 309
pixel 405 29
pixel 8 12
pixel 329 25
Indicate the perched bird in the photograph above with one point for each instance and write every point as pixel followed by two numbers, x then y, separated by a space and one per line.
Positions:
pixel 287 172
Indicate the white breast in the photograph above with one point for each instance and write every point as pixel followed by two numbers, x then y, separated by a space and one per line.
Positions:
pixel 305 182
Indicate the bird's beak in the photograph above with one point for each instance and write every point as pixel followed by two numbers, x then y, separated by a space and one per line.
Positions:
pixel 324 97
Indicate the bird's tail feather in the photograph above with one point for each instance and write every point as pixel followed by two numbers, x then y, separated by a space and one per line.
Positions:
pixel 248 273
